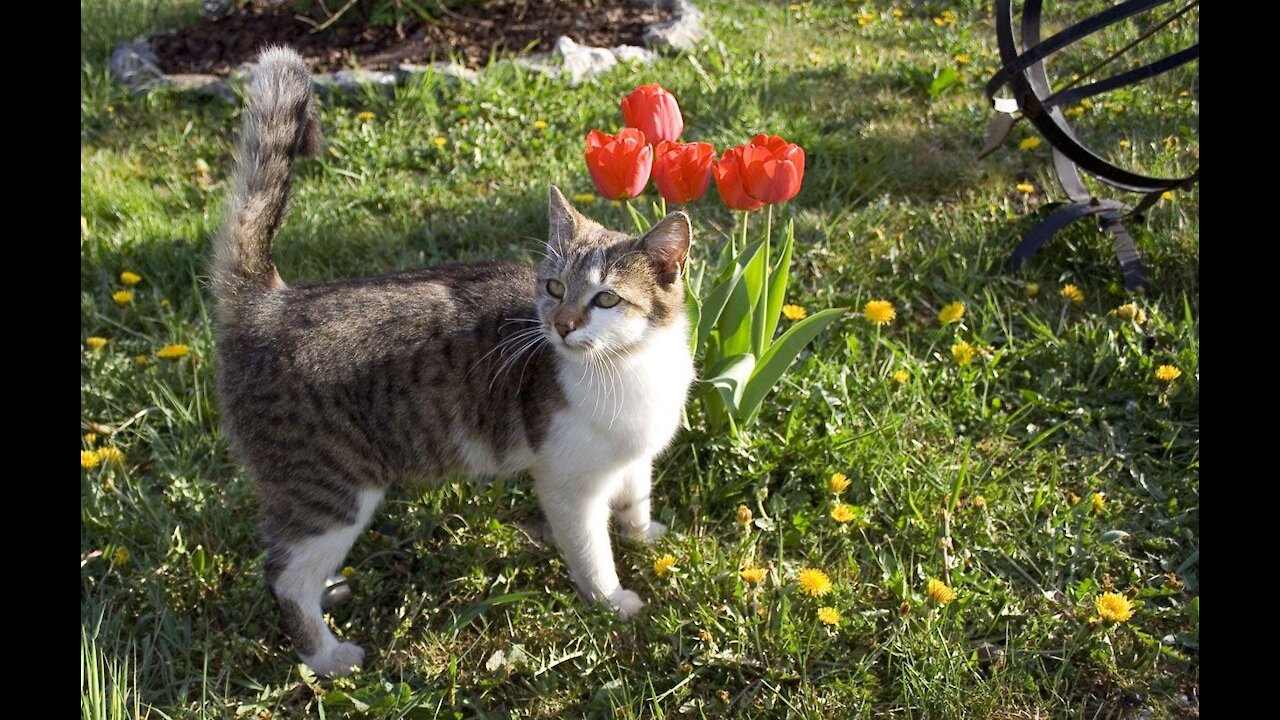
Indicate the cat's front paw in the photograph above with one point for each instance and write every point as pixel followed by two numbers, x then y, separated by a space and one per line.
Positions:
pixel 649 534
pixel 626 603
pixel 341 659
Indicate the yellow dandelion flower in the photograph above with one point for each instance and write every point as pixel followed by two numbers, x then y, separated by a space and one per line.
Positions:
pixel 901 376
pixel 1168 373
pixel 752 575
pixel 880 312
pixel 1124 143
pixel 123 297
pixel 111 454
pixel 963 353
pixel 584 198
pixel 979 501
pixel 172 352
pixel 951 312
pixel 1114 607
pixel 1030 143
pixel 843 513
pixel 664 565
pixel 348 571
pixel 946 18
pixel 120 556
pixel 1166 195
pixel 1086 103
pixel 440 141
pixel 1025 187
pixel 1031 289
pixel 865 18
pixel 1131 311
pixel 828 616
pixel 897 12
pixel 1072 293
pixel 814 582
pixel 89 459
pixel 838 483
pixel 365 116
pixel 1184 93
pixel 90 439
pixel 962 59
pixel 96 343
pixel 939 592
pixel 540 125
pixel 1073 112
pixel 794 312
pixel 130 278
pixel 743 515
pixel 1073 499
pixel 1098 500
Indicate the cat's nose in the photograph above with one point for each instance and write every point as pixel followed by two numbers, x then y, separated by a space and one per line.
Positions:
pixel 564 327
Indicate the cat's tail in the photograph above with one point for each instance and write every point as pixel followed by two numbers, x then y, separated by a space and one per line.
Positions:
pixel 280 121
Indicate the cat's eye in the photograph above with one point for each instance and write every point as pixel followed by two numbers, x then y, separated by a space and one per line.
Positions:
pixel 606 299
pixel 555 288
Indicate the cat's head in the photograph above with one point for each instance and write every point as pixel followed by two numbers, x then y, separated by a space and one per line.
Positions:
pixel 601 291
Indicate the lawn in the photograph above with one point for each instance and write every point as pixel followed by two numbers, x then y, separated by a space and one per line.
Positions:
pixel 1053 468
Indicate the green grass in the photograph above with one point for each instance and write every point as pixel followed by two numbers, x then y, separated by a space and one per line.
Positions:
pixel 465 613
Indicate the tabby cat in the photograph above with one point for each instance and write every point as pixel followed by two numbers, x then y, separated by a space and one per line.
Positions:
pixel 574 372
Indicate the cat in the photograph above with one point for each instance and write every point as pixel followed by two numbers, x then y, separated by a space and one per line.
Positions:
pixel 574 372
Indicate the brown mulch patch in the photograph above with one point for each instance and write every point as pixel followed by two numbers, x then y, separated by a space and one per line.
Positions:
pixel 471 32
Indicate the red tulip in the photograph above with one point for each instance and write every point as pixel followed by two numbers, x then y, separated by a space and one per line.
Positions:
pixel 774 169
pixel 655 111
pixel 619 164
pixel 730 181
pixel 682 171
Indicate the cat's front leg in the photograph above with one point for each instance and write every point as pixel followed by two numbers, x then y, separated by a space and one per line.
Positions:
pixel 631 505
pixel 578 510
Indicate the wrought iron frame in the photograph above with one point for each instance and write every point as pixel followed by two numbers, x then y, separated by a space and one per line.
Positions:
pixel 1033 98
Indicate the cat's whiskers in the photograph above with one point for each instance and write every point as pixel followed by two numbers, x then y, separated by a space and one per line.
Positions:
pixel 510 361
pixel 500 348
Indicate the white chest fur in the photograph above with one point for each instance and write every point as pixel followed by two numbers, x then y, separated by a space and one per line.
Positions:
pixel 623 408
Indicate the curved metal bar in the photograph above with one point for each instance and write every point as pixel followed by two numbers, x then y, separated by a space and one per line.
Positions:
pixel 1034 54
pixel 1130 77
pixel 1060 218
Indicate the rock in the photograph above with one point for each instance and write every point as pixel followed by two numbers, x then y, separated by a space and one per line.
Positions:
pixel 540 63
pixel 346 81
pixel 634 54
pixel 214 9
pixel 211 85
pixel 583 62
pixel 134 64
pixel 681 32
pixel 449 70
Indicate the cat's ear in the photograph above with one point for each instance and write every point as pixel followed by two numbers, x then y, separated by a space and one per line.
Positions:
pixel 562 220
pixel 667 245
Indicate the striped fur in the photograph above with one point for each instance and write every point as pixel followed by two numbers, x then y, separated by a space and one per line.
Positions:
pixel 331 393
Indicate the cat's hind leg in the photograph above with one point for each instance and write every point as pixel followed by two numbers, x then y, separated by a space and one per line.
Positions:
pixel 299 564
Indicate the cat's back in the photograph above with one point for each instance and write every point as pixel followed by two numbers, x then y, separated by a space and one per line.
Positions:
pixel 336 329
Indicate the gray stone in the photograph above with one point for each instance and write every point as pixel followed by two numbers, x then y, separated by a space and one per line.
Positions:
pixel 634 54
pixel 348 81
pixel 681 32
pixel 539 63
pixel 211 85
pixel 449 70
pixel 134 64
pixel 214 9
pixel 583 62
